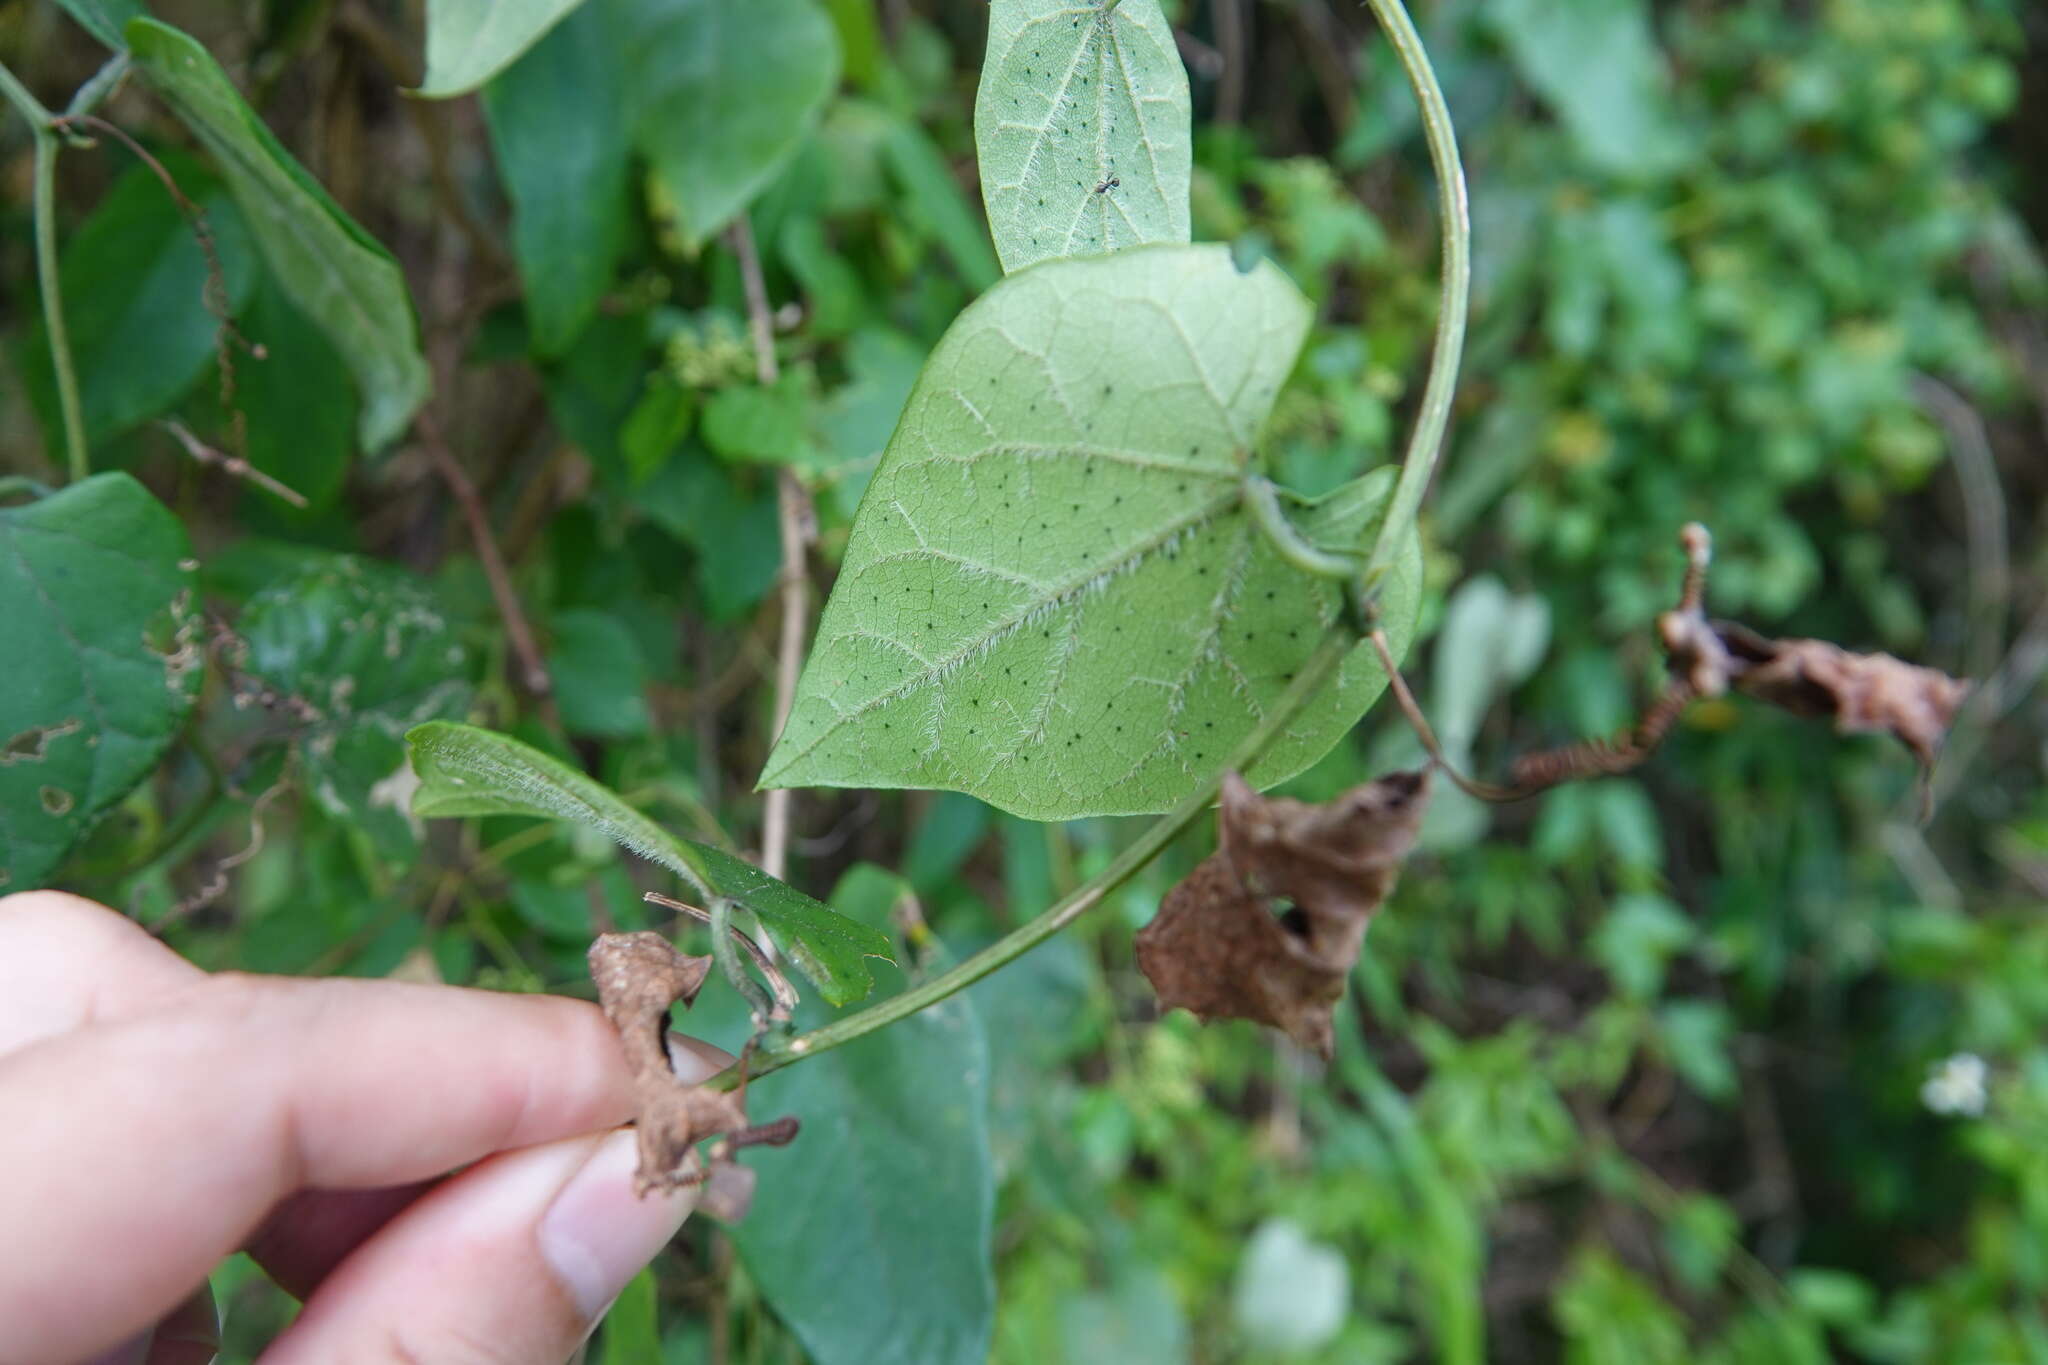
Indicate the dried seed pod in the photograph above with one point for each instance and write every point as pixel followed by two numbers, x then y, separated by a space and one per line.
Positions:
pixel 1268 927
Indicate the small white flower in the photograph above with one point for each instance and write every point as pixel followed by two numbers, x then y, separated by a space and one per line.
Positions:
pixel 1955 1085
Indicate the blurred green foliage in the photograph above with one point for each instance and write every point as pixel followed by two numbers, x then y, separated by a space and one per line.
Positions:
pixel 1642 1071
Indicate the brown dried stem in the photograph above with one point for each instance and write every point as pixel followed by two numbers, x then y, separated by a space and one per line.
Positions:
pixel 796 522
pixel 234 466
pixel 533 673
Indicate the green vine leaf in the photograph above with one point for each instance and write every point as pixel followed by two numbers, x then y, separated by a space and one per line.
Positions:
pixel 894 1157
pixel 360 652
pixel 464 770
pixel 104 19
pixel 722 95
pixel 470 41
pixel 336 273
pixel 1082 126
pixel 1055 597
pixel 103 661
pixel 559 124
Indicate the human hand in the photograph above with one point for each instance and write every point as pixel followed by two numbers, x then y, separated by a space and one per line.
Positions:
pixel 154 1119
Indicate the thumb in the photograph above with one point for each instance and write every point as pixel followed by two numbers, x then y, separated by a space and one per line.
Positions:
pixel 511 1262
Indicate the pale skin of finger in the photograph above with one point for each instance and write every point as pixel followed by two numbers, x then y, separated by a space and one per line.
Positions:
pixel 150 1142
pixel 476 1272
pixel 66 962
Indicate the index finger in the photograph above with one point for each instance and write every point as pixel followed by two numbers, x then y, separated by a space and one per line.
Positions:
pixel 145 1150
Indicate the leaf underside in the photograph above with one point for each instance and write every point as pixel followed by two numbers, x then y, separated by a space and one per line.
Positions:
pixel 464 770
pixel 1081 125
pixel 1054 598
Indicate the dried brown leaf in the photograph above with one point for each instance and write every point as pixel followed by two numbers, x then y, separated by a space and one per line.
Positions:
pixel 1863 693
pixel 639 977
pixel 1269 926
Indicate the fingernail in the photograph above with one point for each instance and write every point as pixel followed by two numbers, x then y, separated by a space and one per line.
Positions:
pixel 693 1060
pixel 597 1233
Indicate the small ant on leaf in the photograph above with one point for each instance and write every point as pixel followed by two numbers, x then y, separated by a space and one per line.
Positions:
pixel 1106 186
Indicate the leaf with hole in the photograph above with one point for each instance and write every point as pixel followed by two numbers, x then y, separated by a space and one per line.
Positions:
pixel 103 661
pixel 1054 597
pixel 467 771
pixel 470 41
pixel 329 266
pixel 356 653
pixel 1083 124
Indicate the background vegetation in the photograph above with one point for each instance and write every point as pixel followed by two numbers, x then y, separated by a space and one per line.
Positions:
pixel 1636 1072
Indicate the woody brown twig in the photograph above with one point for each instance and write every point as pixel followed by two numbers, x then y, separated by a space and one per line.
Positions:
pixel 533 673
pixel 796 522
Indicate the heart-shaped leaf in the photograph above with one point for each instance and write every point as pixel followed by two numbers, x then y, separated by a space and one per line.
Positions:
pixel 103 661
pixel 1054 597
pixel 467 771
pixel 1082 125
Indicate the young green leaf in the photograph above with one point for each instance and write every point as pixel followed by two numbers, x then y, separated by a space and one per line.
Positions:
pixel 1082 124
pixel 135 284
pixel 559 123
pixel 332 269
pixel 894 1158
pixel 467 771
pixel 470 41
pixel 103 661
pixel 722 93
pixel 1054 597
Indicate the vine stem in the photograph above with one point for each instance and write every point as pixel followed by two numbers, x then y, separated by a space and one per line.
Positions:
pixel 44 125
pixel 1320 668
pixel 1454 206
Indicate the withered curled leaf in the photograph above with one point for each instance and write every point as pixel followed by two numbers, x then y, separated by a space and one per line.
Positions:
pixel 1268 927
pixel 1864 693
pixel 639 977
